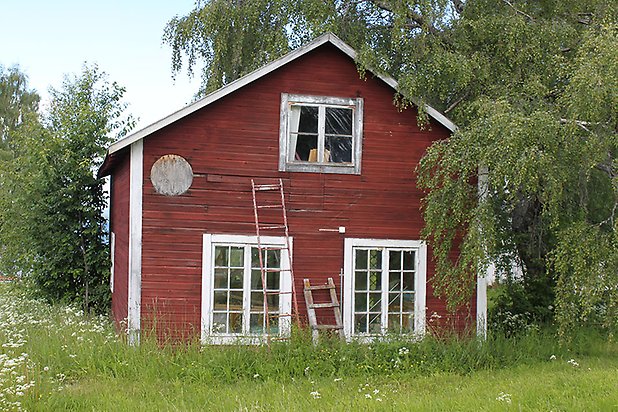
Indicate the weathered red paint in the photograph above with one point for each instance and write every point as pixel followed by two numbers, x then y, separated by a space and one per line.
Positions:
pixel 235 139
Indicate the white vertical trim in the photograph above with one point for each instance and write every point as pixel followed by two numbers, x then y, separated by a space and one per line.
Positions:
pixel 384 290
pixel 420 282
pixel 348 287
pixel 112 257
pixel 420 287
pixel 481 280
pixel 206 286
pixel 481 306
pixel 135 241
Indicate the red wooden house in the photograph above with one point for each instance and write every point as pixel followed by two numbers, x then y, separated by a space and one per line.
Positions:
pixel 184 243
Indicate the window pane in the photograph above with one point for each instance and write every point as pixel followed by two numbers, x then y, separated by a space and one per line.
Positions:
pixel 256 279
pixel 375 323
pixel 408 302
pixel 306 147
pixel 394 260
pixel 394 320
pixel 221 256
pixel 338 149
pixel 375 280
pixel 308 122
pixel 220 300
pixel 273 259
pixel 394 303
pixel 236 300
pixel 394 281
pixel 338 121
pixel 255 258
pixel 272 280
pixel 360 281
pixel 273 303
pixel 408 260
pixel 361 259
pixel 375 302
pixel 360 302
pixel 221 278
pixel 235 323
pixel 256 323
pixel 236 278
pixel 273 324
pixel 237 257
pixel 408 322
pixel 375 259
pixel 257 302
pixel 408 281
pixel 219 322
pixel 360 323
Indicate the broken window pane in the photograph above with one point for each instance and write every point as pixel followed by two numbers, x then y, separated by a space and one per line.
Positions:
pixel 320 133
pixel 338 121
pixel 338 149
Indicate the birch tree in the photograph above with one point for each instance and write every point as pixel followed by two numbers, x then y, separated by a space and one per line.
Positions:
pixel 532 85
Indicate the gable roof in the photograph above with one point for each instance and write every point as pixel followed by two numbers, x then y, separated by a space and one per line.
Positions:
pixel 245 80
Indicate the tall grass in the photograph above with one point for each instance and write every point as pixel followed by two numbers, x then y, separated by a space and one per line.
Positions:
pixel 51 354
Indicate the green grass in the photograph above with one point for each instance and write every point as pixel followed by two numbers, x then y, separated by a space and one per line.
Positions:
pixel 73 362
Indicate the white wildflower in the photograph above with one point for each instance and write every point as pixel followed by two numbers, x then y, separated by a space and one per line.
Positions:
pixel 504 397
pixel 315 395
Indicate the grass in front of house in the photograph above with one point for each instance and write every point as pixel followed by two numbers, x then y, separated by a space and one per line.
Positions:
pixel 55 358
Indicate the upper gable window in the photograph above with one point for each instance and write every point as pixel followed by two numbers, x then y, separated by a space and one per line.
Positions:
pixel 320 134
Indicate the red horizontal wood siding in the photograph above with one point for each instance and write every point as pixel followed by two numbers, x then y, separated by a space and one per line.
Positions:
pixel 237 138
pixel 119 225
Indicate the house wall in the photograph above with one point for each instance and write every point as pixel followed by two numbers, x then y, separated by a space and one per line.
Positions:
pixel 119 224
pixel 237 138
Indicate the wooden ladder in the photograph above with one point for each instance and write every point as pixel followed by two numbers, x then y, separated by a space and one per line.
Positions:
pixel 312 306
pixel 282 226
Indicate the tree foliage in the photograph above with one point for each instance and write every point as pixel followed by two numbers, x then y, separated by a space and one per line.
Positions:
pixel 53 229
pixel 532 85
pixel 16 101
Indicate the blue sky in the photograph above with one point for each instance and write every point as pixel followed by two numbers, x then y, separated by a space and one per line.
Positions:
pixel 48 39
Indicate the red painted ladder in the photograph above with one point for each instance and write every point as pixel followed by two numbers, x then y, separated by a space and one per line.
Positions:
pixel 256 189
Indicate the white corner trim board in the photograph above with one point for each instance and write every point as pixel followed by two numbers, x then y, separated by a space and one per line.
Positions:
pixel 481 281
pixel 481 306
pixel 135 241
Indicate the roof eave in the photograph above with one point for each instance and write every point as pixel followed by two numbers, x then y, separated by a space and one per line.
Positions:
pixel 251 77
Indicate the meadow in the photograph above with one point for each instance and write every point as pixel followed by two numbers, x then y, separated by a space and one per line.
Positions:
pixel 55 358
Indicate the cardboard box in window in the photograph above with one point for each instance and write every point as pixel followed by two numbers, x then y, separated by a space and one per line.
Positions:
pixel 313 155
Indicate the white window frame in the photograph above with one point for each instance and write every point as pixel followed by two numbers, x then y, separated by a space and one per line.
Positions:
pixel 286 165
pixel 420 283
pixel 285 287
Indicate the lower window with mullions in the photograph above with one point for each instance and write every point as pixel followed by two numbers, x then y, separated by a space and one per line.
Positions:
pixel 233 289
pixel 384 287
